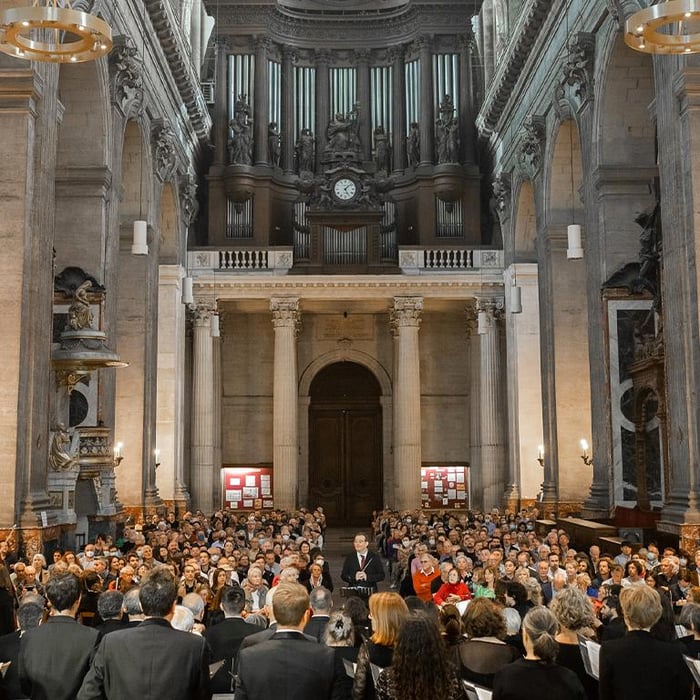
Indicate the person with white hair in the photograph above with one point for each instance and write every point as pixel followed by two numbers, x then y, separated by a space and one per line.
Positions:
pixel 183 619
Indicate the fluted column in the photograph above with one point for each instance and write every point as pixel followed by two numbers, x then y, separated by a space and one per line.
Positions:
pixel 285 439
pixel 427 103
pixel 398 128
pixel 363 97
pixel 221 110
pixel 474 340
pixel 407 448
pixel 289 138
pixel 493 449
pixel 261 112
pixel 202 441
pixel 216 410
pixel 323 102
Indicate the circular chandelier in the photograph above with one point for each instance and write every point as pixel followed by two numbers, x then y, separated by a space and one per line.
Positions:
pixel 53 33
pixel 665 28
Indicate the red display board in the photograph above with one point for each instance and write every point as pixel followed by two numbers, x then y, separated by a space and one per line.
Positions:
pixel 444 487
pixel 247 488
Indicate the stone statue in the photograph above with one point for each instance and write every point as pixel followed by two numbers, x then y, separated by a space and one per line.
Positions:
pixel 63 454
pixel 274 143
pixel 413 145
pixel 242 127
pixel 306 151
pixel 447 133
pixel 381 150
pixel 342 133
pixel 79 314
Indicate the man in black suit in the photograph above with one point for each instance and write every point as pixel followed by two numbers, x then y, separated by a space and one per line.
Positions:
pixel 321 602
pixel 152 660
pixel 363 569
pixel 288 666
pixel 109 608
pixel 54 657
pixel 225 638
pixel 29 616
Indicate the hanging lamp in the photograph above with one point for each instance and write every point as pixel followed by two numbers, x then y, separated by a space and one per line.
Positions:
pixel 665 28
pixel 53 32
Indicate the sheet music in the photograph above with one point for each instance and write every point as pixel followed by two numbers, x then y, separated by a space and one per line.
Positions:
pixel 476 692
pixel 590 652
pixel 376 670
pixel 694 666
pixel 350 668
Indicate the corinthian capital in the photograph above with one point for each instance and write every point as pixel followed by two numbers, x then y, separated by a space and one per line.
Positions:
pixel 407 311
pixel 285 312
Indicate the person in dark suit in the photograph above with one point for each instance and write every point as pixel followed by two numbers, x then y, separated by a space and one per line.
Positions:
pixel 29 616
pixel 543 580
pixel 152 660
pixel 321 602
pixel 288 666
pixel 54 657
pixel 109 608
pixel 665 674
pixel 363 569
pixel 225 638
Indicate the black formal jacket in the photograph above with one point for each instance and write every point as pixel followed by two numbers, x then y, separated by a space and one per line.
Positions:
pixel 224 641
pixel 54 658
pixel 288 667
pixel 663 670
pixel 152 660
pixel 9 651
pixel 374 568
pixel 316 626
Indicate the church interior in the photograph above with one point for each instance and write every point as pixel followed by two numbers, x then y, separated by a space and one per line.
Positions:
pixel 296 253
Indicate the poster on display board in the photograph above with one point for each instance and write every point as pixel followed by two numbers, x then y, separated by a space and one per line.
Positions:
pixel 445 487
pixel 247 488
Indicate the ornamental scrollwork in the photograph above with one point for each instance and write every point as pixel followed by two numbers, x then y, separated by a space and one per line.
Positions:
pixel 501 193
pixel 127 76
pixel 164 156
pixel 532 138
pixel 577 69
pixel 188 199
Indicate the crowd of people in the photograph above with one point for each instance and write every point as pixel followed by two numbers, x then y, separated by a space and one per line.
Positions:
pixel 243 604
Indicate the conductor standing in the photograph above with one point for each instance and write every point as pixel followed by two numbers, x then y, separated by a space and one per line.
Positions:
pixel 363 569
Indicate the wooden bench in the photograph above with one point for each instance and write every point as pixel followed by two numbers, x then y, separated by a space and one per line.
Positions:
pixel 583 533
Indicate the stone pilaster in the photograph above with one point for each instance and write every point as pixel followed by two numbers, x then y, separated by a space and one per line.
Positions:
pixel 407 447
pixel 493 456
pixel 202 440
pixel 221 116
pixel 427 103
pixel 285 438
pixel 261 112
pixel 398 136
pixel 289 138
pixel 475 480
pixel 218 388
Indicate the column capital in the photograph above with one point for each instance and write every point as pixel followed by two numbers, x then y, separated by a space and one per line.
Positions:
pixel 202 310
pixel 362 55
pixel 285 312
pixel 471 315
pixel 407 311
pixel 493 306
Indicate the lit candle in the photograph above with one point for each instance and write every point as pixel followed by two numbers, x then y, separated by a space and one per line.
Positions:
pixel 156 453
pixel 584 447
pixel 540 451
pixel 118 450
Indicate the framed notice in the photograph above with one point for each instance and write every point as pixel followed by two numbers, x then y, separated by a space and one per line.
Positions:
pixel 445 487
pixel 246 488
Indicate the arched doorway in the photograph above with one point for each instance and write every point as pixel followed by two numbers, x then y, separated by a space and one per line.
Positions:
pixel 345 443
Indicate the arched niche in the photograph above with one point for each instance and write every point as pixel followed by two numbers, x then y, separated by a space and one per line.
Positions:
pixel 564 204
pixel 525 231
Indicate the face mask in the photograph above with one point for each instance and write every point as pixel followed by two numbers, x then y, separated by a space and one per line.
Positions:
pixel 90 554
pixel 682 562
pixel 408 520
pixel 650 556
pixel 214 559
pixel 431 543
pixel 405 543
pixel 139 553
pixel 530 526
pixel 320 562
pixel 285 537
pixel 260 540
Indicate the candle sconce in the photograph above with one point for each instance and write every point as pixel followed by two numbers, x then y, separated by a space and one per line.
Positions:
pixel 156 456
pixel 118 457
pixel 540 455
pixel 587 459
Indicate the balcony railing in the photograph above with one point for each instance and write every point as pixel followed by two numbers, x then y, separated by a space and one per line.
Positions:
pixel 413 260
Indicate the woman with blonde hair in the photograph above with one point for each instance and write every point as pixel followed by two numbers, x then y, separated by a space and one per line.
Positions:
pixel 387 612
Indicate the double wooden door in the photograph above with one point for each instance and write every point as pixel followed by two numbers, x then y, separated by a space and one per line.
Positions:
pixel 345 462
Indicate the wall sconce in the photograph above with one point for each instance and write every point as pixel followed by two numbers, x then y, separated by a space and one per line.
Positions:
pixel 540 455
pixel 587 459
pixel 118 457
pixel 156 456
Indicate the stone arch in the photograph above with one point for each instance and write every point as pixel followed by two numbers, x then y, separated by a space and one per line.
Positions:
pixel 525 224
pixel 344 355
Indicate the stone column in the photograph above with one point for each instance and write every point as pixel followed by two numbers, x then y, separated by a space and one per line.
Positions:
pixel 398 128
pixel 323 102
pixel 363 98
pixel 202 440
pixel 487 39
pixel 407 448
pixel 475 474
pixel 493 458
pixel 218 388
pixel 427 103
pixel 289 138
pixel 261 111
pixel 285 438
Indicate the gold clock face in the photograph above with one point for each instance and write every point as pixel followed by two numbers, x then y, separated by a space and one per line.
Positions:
pixel 344 189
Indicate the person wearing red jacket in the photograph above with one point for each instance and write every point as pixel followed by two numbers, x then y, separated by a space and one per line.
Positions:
pixel 454 591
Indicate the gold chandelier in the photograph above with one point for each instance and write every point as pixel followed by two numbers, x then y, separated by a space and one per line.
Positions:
pixel 665 28
pixel 52 31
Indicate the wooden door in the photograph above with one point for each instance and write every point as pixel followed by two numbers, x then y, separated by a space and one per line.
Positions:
pixel 345 446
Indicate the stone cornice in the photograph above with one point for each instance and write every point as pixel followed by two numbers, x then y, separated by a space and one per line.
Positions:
pixel 531 20
pixel 180 63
